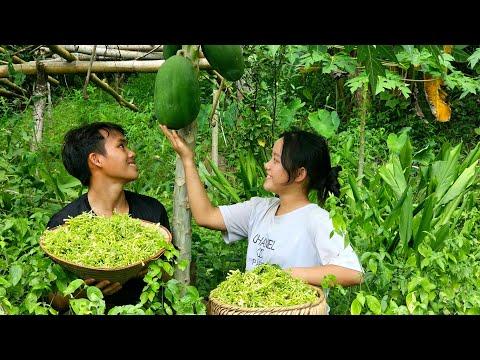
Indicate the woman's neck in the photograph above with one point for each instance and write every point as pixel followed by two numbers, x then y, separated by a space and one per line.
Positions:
pixel 107 200
pixel 290 202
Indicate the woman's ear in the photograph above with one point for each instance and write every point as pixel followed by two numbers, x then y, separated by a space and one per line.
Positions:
pixel 301 174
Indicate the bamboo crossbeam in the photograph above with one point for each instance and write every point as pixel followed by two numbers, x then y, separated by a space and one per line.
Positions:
pixel 111 51
pixel 78 67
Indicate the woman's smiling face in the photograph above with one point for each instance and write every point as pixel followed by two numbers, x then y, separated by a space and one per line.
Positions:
pixel 277 176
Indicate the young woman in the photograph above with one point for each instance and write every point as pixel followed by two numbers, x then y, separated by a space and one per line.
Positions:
pixel 287 230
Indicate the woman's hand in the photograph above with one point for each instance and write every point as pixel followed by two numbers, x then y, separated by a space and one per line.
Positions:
pixel 178 143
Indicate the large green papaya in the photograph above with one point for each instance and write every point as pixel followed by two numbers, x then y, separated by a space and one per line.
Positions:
pixel 226 59
pixel 170 50
pixel 176 100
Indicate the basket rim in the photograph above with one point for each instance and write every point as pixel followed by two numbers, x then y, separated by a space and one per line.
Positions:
pixel 320 299
pixel 141 262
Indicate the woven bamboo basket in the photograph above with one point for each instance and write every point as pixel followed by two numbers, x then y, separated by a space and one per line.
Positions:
pixel 117 274
pixel 318 307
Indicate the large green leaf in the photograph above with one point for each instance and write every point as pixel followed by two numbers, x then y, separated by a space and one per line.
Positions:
pixel 394 214
pixel 426 221
pixel 435 50
pixel 386 52
pixel 393 175
pixel 324 122
pixel 15 273
pixel 472 156
pixel 367 55
pixel 463 181
pixel 406 219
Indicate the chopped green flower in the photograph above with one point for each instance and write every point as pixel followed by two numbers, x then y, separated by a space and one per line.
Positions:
pixel 104 242
pixel 265 286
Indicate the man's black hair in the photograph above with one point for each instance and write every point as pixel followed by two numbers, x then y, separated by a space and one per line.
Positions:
pixel 82 141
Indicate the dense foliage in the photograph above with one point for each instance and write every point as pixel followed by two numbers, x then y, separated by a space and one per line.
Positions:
pixel 412 214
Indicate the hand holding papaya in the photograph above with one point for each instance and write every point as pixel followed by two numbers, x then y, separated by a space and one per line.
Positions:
pixel 178 143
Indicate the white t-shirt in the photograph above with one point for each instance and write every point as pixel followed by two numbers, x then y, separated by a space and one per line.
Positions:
pixel 300 238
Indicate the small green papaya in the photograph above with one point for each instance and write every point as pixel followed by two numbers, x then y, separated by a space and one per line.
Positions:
pixel 226 59
pixel 170 50
pixel 176 100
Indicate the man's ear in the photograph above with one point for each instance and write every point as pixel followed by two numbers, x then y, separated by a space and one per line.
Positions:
pixel 301 174
pixel 94 159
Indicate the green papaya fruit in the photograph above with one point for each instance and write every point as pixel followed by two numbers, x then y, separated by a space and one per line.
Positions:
pixel 176 100
pixel 170 50
pixel 226 59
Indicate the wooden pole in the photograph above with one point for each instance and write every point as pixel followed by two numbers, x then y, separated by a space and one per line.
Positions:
pixel 77 67
pixel 39 101
pixel 214 121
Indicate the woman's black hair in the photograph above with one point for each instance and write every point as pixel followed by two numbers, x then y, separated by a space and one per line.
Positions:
pixel 310 151
pixel 80 142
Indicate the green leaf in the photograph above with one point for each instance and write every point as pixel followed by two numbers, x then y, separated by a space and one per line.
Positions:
pixel 406 219
pixel 374 305
pixel 15 274
pixel 411 301
pixel 465 179
pixel 355 307
pixel 353 185
pixel 435 51
pixel 324 122
pixel 460 55
pixel 386 52
pixel 367 55
pixel 474 58
pixel 94 293
pixel 426 221
pixel 393 175
pixel 272 49
pixel 182 264
pixel 395 143
pixel 73 286
pixel 80 306
pixel 390 220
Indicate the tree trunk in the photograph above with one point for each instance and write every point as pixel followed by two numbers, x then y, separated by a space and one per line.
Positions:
pixel 214 120
pixel 214 124
pixel 362 99
pixel 39 101
pixel 182 215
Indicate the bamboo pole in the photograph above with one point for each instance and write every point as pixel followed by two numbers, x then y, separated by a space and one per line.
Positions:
pixel 112 52
pixel 126 47
pixel 6 93
pixel 12 85
pixel 39 102
pixel 77 67
pixel 87 78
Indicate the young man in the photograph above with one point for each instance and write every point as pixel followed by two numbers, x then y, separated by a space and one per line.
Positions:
pixel 97 155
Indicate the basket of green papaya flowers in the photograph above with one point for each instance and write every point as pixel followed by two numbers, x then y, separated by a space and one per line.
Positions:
pixel 266 290
pixel 115 248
